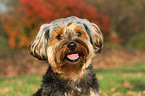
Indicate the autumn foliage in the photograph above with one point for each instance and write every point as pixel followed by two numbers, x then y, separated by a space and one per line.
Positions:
pixel 25 21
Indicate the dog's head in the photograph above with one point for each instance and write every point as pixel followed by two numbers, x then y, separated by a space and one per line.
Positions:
pixel 68 43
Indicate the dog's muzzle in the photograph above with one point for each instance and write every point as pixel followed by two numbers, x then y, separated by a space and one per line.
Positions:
pixel 73 56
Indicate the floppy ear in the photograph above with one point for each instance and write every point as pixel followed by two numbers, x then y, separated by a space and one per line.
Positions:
pixel 95 35
pixel 38 46
pixel 97 38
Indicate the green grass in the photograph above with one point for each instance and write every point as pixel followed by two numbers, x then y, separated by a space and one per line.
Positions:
pixel 108 79
pixel 115 78
pixel 19 86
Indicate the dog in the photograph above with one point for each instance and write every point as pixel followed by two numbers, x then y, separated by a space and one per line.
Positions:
pixel 68 45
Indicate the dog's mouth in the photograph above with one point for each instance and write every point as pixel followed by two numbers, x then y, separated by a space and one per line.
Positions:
pixel 73 57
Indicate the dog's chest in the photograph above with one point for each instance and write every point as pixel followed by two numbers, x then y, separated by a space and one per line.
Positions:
pixel 91 93
pixel 80 89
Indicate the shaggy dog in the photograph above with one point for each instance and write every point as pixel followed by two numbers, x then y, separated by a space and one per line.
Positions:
pixel 68 45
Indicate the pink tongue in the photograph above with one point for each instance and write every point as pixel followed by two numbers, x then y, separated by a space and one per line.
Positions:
pixel 73 56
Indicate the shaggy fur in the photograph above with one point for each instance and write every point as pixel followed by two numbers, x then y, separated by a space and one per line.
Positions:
pixel 68 45
pixel 53 86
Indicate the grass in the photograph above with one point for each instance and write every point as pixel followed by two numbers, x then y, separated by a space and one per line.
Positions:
pixel 19 86
pixel 125 79
pixel 115 80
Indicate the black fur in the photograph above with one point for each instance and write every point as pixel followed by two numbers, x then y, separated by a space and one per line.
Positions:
pixel 53 86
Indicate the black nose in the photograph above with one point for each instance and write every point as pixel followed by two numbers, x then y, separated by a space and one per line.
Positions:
pixel 72 46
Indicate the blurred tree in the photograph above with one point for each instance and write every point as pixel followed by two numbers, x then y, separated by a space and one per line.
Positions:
pixel 127 16
pixel 28 16
pixel 11 21
pixel 137 42
pixel 4 46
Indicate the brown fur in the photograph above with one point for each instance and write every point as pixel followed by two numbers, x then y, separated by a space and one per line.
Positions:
pixel 51 44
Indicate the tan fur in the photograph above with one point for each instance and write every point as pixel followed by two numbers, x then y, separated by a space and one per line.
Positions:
pixel 51 44
pixel 51 49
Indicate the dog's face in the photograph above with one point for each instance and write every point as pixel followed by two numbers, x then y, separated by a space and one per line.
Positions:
pixel 68 44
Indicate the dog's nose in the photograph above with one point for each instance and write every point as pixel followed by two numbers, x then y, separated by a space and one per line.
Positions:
pixel 72 46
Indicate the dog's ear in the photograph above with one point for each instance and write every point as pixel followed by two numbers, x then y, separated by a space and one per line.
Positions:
pixel 95 35
pixel 97 38
pixel 38 46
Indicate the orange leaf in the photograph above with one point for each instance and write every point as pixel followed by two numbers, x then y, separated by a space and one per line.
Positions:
pixel 131 93
pixel 118 94
pixel 139 94
pixel 112 90
pixel 103 93
pixel 127 84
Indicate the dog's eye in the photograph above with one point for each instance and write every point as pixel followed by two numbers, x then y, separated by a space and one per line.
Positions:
pixel 79 34
pixel 59 37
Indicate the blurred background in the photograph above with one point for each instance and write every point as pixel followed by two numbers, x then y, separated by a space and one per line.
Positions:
pixel 121 21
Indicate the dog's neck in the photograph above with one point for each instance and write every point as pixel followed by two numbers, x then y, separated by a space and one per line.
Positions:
pixel 73 72
pixel 79 86
pixel 73 75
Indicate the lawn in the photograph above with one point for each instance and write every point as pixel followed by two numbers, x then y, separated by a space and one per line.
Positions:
pixel 123 81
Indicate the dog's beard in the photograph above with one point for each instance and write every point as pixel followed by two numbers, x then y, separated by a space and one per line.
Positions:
pixel 71 61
